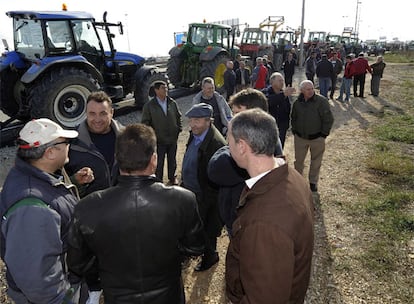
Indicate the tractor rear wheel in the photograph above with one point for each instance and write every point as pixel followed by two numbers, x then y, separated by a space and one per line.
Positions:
pixel 142 95
pixel 215 68
pixel 61 96
pixel 174 70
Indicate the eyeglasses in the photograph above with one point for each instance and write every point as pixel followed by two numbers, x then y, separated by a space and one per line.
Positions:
pixel 67 142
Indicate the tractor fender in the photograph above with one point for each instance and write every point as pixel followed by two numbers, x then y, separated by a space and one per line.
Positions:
pixel 47 64
pixel 209 53
pixel 176 51
pixel 11 59
pixel 143 71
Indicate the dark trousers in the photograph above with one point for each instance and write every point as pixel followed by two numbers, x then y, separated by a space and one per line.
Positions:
pixel 288 80
pixel 283 127
pixel 333 85
pixel 171 151
pixel 359 79
pixel 212 223
pixel 310 77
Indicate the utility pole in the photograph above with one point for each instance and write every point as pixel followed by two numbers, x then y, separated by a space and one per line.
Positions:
pixel 127 31
pixel 302 33
pixel 357 18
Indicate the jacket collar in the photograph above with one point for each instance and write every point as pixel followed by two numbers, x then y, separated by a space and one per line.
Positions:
pixel 263 185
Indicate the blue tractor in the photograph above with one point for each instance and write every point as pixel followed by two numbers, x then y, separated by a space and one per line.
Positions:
pixel 59 59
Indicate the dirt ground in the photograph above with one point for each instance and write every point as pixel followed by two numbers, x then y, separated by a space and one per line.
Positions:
pixel 343 178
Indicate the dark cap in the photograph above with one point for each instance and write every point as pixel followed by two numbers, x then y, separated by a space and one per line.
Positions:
pixel 200 110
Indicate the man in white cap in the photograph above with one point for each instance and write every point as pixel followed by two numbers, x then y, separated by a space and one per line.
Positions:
pixel 203 142
pixel 36 207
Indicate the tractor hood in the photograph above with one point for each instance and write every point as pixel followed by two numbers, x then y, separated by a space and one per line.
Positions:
pixel 124 58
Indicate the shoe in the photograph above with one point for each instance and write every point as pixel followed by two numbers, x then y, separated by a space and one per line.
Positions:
pixel 313 187
pixel 361 96
pixel 173 182
pixel 339 99
pixel 94 297
pixel 207 262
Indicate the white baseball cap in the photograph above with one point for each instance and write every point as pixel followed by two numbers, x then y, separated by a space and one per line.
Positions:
pixel 41 131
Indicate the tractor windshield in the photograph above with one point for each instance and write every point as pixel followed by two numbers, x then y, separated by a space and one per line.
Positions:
pixel 201 36
pixel 28 38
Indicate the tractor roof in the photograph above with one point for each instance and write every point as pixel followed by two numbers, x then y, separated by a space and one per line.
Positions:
pixel 49 15
pixel 210 25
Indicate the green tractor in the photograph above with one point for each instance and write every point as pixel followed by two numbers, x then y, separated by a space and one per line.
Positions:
pixel 204 53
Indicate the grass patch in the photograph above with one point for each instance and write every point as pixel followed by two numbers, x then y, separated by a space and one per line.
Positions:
pixel 385 216
pixel 385 161
pixel 397 128
pixel 399 57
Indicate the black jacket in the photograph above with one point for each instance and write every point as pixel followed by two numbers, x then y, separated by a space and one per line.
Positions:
pixel 279 107
pixel 138 230
pixel 83 153
pixel 223 170
pixel 211 143
pixel 246 76
pixel 324 68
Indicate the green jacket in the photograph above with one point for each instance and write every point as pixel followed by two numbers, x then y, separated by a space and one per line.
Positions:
pixel 312 118
pixel 166 127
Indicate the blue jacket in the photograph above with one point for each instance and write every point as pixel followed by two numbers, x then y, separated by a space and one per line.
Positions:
pixel 34 238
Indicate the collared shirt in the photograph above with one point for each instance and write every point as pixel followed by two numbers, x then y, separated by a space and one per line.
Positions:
pixel 163 104
pixel 253 180
pixel 199 138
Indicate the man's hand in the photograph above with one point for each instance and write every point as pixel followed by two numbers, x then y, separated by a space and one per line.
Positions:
pixel 84 176
pixel 288 91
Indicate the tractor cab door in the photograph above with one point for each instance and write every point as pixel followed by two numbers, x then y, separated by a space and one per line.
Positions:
pixel 88 43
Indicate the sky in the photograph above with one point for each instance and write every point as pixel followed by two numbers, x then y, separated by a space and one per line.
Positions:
pixel 149 28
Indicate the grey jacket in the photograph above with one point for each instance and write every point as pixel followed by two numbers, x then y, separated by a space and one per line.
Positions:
pixel 34 235
pixel 225 111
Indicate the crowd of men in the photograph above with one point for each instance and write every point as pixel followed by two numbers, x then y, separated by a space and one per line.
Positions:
pixel 87 213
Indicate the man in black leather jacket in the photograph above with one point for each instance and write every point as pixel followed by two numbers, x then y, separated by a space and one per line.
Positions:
pixel 136 233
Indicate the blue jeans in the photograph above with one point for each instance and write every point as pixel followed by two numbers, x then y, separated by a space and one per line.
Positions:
pixel 345 88
pixel 324 85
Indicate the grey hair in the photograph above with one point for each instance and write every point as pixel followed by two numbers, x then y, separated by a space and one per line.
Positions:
pixel 207 80
pixel 304 83
pixel 274 75
pixel 257 128
pixel 33 153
